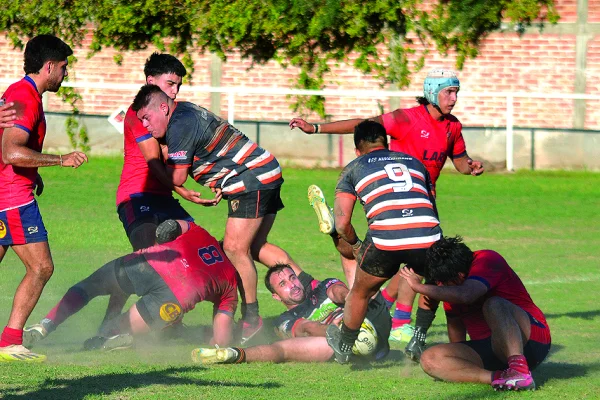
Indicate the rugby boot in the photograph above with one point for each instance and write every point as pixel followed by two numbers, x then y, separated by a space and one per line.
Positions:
pixel 324 213
pixel 34 333
pixel 403 333
pixel 167 231
pixel 207 356
pixel 416 345
pixel 116 342
pixel 250 330
pixel 511 379
pixel 334 340
pixel 20 353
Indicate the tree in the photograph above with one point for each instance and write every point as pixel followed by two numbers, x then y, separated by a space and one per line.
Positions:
pixel 308 34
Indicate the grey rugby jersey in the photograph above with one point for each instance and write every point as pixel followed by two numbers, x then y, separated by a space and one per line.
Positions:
pixel 395 191
pixel 219 155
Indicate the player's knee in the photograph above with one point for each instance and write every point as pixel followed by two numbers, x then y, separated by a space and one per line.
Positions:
pixel 43 271
pixel 234 249
pixel 430 360
pixel 493 305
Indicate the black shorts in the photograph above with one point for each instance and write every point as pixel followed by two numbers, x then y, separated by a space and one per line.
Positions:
pixel 157 306
pixel 252 205
pixel 385 264
pixel 534 352
pixel 150 208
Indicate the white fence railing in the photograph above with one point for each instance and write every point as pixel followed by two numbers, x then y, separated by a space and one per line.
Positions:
pixel 232 91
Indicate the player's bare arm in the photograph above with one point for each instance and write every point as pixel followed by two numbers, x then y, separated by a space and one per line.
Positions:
pixel 7 115
pixel 467 166
pixel 457 332
pixel 466 293
pixel 304 327
pixel 338 127
pixel 16 153
pixel 342 210
pixel 338 292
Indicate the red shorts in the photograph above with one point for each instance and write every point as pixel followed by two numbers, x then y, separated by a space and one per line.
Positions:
pixel 22 225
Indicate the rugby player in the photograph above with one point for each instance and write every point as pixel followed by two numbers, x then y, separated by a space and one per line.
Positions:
pixel 219 156
pixel 144 195
pixel 21 225
pixel 397 196
pixel 430 133
pixel 484 298
pixel 311 306
pixel 171 278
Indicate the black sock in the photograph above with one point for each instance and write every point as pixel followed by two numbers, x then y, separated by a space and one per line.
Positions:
pixel 348 337
pixel 250 312
pixel 424 319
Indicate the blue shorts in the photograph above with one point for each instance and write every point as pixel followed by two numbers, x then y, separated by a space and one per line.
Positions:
pixel 150 208
pixel 22 225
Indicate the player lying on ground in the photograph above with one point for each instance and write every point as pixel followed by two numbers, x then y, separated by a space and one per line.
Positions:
pixel 171 278
pixel 311 307
pixel 483 297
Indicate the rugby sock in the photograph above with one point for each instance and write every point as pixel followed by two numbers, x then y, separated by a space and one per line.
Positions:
pixel 73 301
pixel 11 336
pixel 250 312
pixel 239 356
pixel 348 337
pixel 424 319
pixel 518 363
pixel 401 315
pixel 389 300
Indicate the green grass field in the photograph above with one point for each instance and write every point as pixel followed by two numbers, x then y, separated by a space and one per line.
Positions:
pixel 546 224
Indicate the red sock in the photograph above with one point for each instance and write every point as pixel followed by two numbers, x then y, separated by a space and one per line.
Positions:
pixel 73 301
pixel 401 315
pixel 518 363
pixel 11 336
pixel 387 296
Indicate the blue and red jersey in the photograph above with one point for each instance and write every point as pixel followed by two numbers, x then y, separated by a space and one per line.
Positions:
pixel 395 191
pixel 136 177
pixel 17 183
pixel 491 269
pixel 196 269
pixel 414 131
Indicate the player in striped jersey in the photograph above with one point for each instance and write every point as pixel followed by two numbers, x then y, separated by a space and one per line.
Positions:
pixel 396 193
pixel 217 155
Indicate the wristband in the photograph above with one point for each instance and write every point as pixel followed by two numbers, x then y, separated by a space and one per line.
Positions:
pixel 357 245
pixel 317 128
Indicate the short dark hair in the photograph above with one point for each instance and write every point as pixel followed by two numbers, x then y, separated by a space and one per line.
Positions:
pixel 446 258
pixel 275 269
pixel 44 48
pixel 145 95
pixel 422 101
pixel 162 63
pixel 370 132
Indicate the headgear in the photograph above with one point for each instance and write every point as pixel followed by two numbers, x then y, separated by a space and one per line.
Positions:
pixel 437 80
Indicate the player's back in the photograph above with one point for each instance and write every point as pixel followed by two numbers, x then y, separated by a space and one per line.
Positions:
pixel 16 183
pixel 223 156
pixel 395 191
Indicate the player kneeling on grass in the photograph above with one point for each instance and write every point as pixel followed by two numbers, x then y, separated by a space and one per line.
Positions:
pixel 483 297
pixel 171 278
pixel 311 307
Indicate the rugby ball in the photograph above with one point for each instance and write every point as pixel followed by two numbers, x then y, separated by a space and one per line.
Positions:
pixel 366 343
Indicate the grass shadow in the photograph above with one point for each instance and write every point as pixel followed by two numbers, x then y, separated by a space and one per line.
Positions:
pixel 102 385
pixel 586 315
pixel 558 370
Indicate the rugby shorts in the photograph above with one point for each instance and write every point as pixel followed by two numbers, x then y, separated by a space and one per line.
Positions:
pixel 257 204
pixel 385 264
pixel 157 306
pixel 149 208
pixel 22 225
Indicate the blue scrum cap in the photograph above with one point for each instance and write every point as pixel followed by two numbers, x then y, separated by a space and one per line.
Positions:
pixel 437 80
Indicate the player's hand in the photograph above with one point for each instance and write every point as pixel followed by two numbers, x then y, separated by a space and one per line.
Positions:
pixel 74 159
pixel 302 125
pixel 7 115
pixel 476 167
pixel 411 277
pixel 194 197
pixel 38 185
pixel 218 195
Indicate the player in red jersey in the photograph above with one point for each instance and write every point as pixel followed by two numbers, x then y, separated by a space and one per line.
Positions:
pixel 144 195
pixel 21 225
pixel 171 278
pixel 484 298
pixel 428 132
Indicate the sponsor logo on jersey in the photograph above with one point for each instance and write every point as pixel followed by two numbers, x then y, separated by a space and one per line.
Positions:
pixel 424 134
pixel 406 212
pixel 32 229
pixel 3 230
pixel 178 155
pixel 144 209
pixel 169 312
pixel 185 263
pixel 235 204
